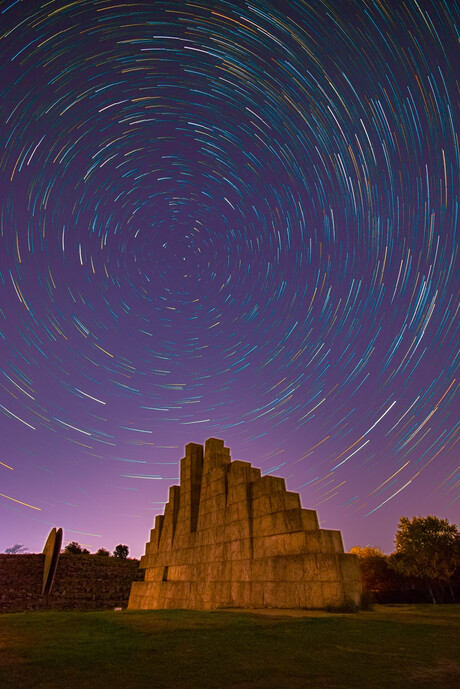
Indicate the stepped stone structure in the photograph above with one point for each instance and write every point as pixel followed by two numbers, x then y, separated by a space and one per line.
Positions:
pixel 231 538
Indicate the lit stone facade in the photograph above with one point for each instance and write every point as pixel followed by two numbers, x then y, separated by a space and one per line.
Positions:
pixel 231 538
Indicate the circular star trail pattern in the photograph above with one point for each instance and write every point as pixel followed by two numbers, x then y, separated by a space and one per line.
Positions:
pixel 231 219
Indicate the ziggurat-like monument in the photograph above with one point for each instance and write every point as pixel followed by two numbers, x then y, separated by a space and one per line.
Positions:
pixel 231 538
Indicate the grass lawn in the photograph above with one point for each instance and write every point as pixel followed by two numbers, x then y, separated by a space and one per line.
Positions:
pixel 392 646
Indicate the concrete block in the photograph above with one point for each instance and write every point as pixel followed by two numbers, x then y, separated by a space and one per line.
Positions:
pixel 332 591
pixel 283 521
pixel 323 541
pixel 237 492
pixel 153 574
pixel 314 598
pixel 268 485
pixel 309 520
pixel 242 472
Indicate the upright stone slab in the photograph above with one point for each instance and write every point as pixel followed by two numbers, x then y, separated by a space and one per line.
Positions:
pixel 51 551
pixel 230 537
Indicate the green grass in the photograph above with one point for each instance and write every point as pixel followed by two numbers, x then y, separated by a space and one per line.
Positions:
pixel 392 646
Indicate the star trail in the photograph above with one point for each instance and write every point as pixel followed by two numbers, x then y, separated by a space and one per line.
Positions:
pixel 229 219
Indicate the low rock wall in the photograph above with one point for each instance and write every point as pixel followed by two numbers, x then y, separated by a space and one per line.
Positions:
pixel 83 582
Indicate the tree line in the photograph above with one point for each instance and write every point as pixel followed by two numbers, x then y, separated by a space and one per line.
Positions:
pixel 120 551
pixel 426 562
pixel 73 548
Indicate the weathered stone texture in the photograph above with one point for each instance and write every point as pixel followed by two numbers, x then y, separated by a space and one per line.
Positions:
pixel 230 537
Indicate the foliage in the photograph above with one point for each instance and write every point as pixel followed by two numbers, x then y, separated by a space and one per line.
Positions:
pixel 427 548
pixel 377 575
pixel 367 551
pixel 121 551
pixel 74 548
pixel 16 549
pixel 104 552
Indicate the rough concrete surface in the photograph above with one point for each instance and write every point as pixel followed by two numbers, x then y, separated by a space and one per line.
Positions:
pixel 231 538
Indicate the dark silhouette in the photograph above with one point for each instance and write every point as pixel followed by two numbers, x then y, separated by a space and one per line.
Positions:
pixel 121 551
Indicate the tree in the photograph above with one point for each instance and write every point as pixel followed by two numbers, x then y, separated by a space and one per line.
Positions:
pixel 16 549
pixel 429 549
pixel 375 570
pixel 121 551
pixel 74 548
pixel 104 552
pixel 367 551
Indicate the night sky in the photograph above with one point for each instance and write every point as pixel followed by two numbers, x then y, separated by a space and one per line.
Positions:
pixel 227 219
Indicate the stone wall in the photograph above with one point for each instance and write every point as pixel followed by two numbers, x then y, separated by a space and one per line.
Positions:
pixel 82 582
pixel 230 537
pixel 20 581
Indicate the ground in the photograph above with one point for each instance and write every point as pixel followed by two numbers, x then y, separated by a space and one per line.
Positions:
pixel 414 646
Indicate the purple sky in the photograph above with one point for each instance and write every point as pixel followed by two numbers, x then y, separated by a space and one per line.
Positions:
pixel 228 219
